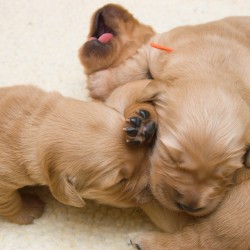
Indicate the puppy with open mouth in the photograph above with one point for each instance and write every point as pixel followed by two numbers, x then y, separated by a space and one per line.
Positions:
pixel 114 36
pixel 202 101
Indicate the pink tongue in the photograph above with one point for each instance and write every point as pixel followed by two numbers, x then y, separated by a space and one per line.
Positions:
pixel 105 38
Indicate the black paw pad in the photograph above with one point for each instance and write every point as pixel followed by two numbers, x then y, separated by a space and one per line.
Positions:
pixel 144 114
pixel 138 247
pixel 136 121
pixel 131 131
pixel 140 128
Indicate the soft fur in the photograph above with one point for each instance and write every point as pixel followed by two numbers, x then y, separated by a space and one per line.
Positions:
pixel 227 228
pixel 203 107
pixel 203 133
pixel 76 148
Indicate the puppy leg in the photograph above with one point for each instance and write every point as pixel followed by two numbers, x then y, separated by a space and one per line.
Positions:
pixel 103 82
pixel 141 123
pixel 193 237
pixel 20 209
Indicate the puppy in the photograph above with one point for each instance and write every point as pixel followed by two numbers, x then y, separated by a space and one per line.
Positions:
pixel 227 227
pixel 76 148
pixel 203 133
pixel 190 43
pixel 114 36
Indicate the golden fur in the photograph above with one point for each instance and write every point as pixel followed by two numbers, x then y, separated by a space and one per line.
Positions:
pixel 227 228
pixel 203 105
pixel 203 133
pixel 76 148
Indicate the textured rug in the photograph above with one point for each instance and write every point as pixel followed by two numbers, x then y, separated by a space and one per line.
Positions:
pixel 39 41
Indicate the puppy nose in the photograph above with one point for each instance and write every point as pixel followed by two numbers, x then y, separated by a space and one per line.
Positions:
pixel 188 208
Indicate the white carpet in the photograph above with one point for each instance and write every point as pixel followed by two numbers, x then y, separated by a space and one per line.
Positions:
pixel 39 40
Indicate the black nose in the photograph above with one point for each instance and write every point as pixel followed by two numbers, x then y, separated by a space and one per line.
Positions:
pixel 188 208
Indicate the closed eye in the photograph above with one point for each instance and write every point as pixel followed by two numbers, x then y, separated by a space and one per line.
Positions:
pixel 123 181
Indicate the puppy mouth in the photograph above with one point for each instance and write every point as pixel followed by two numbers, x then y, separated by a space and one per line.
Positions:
pixel 188 209
pixel 102 33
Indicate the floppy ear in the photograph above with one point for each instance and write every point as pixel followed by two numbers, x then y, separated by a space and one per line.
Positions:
pixel 246 157
pixel 62 186
pixel 154 92
pixel 171 147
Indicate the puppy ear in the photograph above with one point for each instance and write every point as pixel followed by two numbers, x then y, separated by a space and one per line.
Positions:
pixel 170 145
pixel 62 186
pixel 154 92
pixel 246 158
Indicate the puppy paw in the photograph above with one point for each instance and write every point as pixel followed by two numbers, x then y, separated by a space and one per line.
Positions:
pixel 100 85
pixel 32 208
pixel 139 242
pixel 141 125
pixel 162 241
pixel 150 241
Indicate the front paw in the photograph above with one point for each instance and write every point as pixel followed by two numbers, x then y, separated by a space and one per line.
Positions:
pixel 141 124
pixel 100 85
pixel 140 241
pixel 153 241
pixel 132 241
pixel 162 241
pixel 32 208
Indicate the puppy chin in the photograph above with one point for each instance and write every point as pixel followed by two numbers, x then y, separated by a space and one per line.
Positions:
pixel 95 55
pixel 168 199
pixel 211 207
pixel 114 36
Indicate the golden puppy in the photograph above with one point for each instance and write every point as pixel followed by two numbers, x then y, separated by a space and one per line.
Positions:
pixel 76 148
pixel 115 35
pixel 203 133
pixel 191 46
pixel 225 228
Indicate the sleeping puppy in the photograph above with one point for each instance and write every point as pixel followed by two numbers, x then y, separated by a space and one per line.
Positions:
pixel 228 226
pixel 114 36
pixel 76 148
pixel 203 133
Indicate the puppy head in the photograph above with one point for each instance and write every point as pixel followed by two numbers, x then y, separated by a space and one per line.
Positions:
pixel 202 137
pixel 114 36
pixel 86 156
